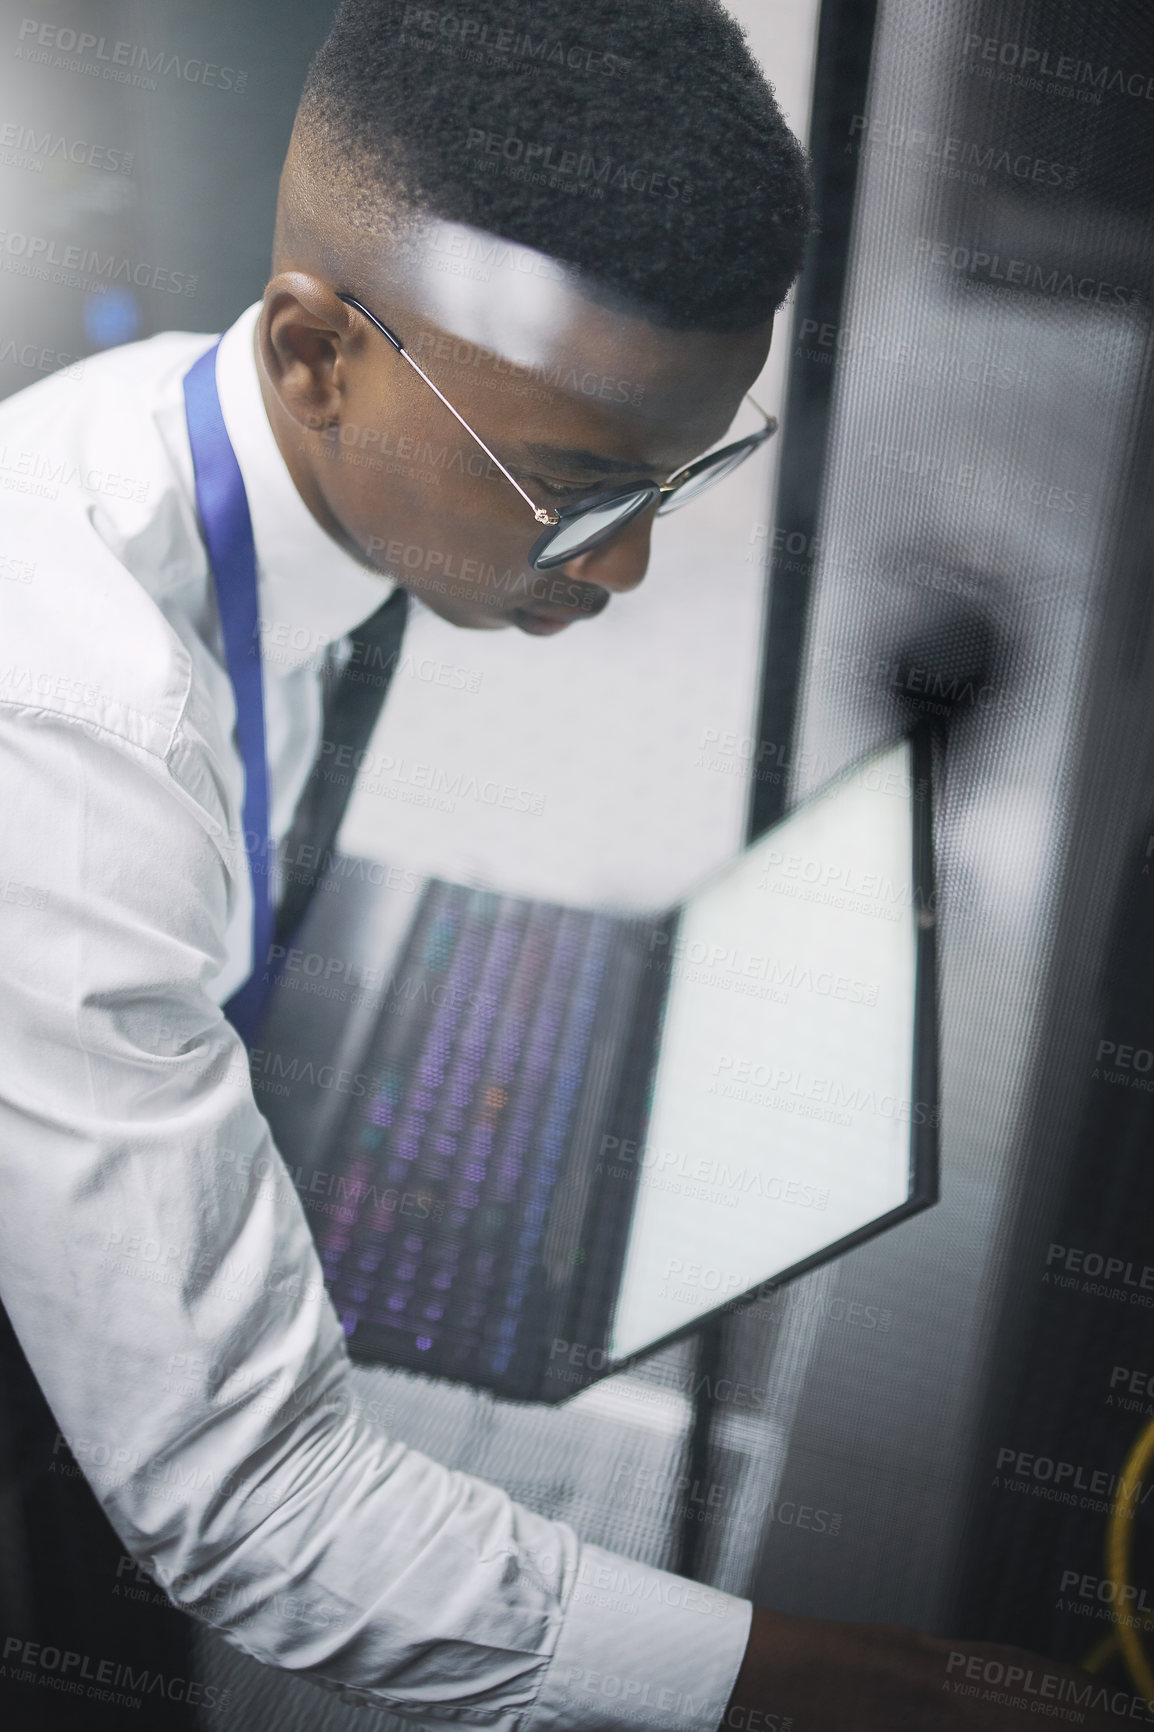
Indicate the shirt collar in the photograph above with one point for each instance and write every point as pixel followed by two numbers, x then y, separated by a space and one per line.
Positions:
pixel 311 591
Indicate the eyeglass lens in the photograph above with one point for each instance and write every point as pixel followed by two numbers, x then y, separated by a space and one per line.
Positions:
pixel 575 533
pixel 579 534
pixel 707 476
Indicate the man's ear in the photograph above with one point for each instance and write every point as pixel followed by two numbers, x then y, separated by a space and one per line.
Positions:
pixel 305 337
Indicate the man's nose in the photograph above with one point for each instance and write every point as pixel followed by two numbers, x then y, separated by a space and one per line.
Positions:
pixel 620 563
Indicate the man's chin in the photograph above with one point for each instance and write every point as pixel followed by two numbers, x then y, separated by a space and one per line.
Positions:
pixel 465 617
pixel 534 622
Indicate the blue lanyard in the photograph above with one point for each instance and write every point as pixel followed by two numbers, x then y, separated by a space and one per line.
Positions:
pixel 222 506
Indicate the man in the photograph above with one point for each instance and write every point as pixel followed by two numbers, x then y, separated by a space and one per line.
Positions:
pixel 653 226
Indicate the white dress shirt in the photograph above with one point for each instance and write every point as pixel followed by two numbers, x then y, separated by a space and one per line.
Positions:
pixel 154 1260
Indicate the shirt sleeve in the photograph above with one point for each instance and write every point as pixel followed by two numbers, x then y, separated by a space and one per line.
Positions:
pixel 158 1269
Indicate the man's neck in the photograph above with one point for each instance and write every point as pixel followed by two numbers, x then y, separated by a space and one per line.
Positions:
pixel 293 447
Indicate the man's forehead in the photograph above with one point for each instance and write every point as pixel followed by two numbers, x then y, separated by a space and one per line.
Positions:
pixel 529 309
pixel 496 294
pixel 619 394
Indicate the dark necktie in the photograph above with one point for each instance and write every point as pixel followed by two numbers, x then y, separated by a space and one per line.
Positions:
pixel 350 712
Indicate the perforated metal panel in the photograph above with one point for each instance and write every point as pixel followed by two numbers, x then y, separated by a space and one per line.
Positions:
pixel 989 366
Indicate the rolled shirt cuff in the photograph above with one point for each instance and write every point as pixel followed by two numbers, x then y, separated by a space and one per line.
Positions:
pixel 641 1650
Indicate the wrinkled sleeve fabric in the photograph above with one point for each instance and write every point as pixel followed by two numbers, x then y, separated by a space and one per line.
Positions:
pixel 157 1266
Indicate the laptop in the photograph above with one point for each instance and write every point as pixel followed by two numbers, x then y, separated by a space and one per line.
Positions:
pixel 534 1141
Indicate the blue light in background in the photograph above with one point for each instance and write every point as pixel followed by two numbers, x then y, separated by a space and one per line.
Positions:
pixel 111 318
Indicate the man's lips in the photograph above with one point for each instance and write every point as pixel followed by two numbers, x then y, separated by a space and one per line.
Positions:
pixel 545 621
pixel 540 624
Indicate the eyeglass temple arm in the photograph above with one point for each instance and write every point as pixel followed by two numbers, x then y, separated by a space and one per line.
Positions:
pixel 770 420
pixel 539 511
pixel 671 485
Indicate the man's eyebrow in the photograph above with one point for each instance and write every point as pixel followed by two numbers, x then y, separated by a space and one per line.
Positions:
pixel 562 457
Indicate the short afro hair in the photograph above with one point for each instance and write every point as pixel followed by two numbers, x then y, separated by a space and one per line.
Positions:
pixel 635 140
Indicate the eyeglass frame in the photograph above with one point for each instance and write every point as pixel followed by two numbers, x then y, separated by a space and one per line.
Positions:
pixel 647 491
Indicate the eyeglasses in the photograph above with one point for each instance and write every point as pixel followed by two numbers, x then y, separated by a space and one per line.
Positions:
pixel 578 528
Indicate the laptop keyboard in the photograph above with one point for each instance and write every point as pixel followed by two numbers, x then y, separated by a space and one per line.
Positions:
pixel 447 1169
